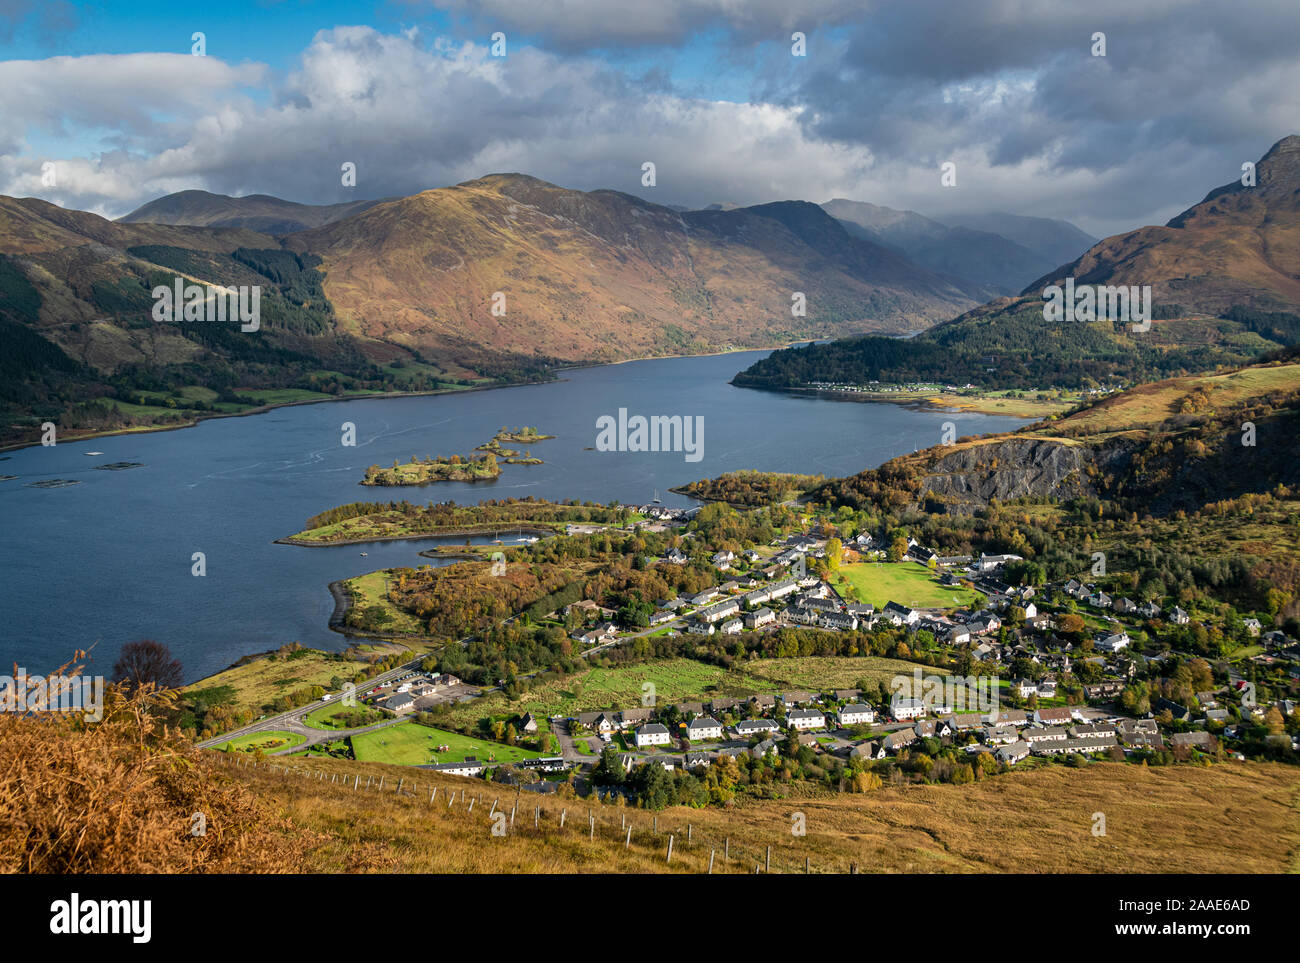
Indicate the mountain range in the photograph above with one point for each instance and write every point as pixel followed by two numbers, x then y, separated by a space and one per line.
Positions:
pixel 1225 285
pixel 1000 252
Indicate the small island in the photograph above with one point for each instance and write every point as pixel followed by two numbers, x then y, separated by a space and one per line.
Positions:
pixel 525 435
pixel 442 468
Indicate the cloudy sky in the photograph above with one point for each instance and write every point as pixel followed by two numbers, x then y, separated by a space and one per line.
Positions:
pixel 1009 91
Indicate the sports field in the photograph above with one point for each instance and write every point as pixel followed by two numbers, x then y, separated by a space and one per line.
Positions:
pixel 907 583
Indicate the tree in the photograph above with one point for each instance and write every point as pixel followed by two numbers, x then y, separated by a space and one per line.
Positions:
pixel 147 661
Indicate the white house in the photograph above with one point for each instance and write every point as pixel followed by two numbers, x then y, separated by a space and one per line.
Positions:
pixel 704 727
pixel 652 734
pixel 1013 753
pixel 700 628
pixel 759 618
pixel 903 709
pixel 857 714
pixel 804 719
pixel 750 727
pixel 732 627
pixel 1113 643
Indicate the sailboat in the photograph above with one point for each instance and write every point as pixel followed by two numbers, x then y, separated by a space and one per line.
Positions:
pixel 656 501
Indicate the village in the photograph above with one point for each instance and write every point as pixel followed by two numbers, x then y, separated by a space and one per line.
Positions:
pixel 1006 638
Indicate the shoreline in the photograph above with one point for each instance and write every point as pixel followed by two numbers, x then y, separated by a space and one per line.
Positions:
pixel 262 409
pixel 455 533
pixel 889 398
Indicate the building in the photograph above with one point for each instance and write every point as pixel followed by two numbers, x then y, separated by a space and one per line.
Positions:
pixel 759 618
pixel 1054 717
pixel 899 614
pixel 1050 734
pixel 528 723
pixel 857 714
pixel 1179 617
pixel 1013 752
pixel 703 727
pixel 719 610
pixel 731 627
pixel 803 720
pixel 700 628
pixel 399 703
pixel 1068 746
pixel 753 727
pixel 1112 643
pixel 652 734
pixel 905 709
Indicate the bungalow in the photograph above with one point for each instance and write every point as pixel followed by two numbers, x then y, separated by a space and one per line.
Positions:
pixel 1050 734
pixel 634 717
pixel 752 727
pixel 1053 717
pixel 719 706
pixel 868 750
pixel 860 609
pixel 1087 744
pixel 1008 717
pixel 797 697
pixel 652 734
pixel 996 735
pixel 1092 729
pixel 759 618
pixel 398 703
pixel 804 719
pixel 897 740
pixel 857 714
pixel 470 767
pixel 704 727
pixel 1179 713
pixel 763 701
pixel 1216 715
pixel 964 721
pixel 1013 753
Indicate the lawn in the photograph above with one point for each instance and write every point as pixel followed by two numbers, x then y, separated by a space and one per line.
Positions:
pixel 269 741
pixel 834 672
pixel 674 680
pixel 907 583
pixel 411 744
pixel 325 716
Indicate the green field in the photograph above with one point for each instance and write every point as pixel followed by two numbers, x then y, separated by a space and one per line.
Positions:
pixel 674 680
pixel 269 741
pixel 411 744
pixel 907 583
pixel 324 717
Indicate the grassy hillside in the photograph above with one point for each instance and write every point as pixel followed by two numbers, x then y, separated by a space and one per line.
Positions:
pixel 133 809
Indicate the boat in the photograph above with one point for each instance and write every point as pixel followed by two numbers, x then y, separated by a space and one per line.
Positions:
pixel 363 554
pixel 92 452
pixel 657 501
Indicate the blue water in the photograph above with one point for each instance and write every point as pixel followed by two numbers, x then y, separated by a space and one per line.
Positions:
pixel 108 560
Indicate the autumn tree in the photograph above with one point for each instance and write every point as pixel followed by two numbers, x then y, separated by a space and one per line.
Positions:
pixel 147 661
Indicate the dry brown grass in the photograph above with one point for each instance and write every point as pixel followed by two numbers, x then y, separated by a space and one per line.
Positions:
pixel 119 796
pixel 1242 818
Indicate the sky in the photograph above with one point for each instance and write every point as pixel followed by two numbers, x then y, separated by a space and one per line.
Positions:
pixel 104 106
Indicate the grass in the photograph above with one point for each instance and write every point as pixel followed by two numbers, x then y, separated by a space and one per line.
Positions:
pixel 1228 818
pixel 834 672
pixel 372 589
pixel 411 744
pixel 269 741
pixel 908 583
pixel 259 682
pixel 674 680
pixel 326 716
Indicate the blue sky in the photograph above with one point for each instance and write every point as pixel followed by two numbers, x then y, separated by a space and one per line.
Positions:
pixel 1008 90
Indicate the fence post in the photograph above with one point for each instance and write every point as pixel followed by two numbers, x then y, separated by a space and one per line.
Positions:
pixel 768 867
pixel 669 859
pixel 711 852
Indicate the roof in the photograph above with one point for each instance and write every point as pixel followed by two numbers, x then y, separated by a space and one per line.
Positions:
pixel 804 714
pixel 652 728
pixel 704 722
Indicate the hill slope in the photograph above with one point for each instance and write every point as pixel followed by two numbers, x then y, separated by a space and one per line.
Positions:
pixel 603 275
pixel 980 256
pixel 1240 246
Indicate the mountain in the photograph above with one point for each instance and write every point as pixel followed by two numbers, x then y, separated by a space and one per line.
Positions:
pixel 398 295
pixel 1225 279
pixel 1239 247
pixel 256 212
pixel 982 256
pixel 603 275
pixel 1055 240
